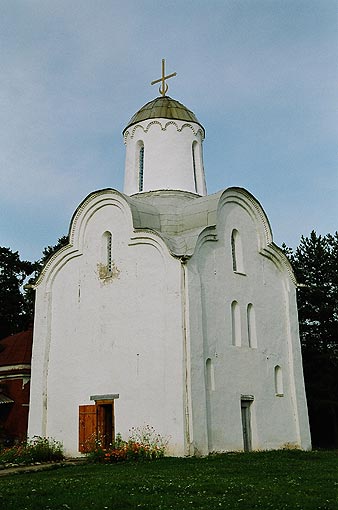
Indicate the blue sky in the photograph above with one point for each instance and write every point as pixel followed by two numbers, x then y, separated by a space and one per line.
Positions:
pixel 260 75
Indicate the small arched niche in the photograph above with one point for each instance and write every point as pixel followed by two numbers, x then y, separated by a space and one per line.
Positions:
pixel 237 252
pixel 279 381
pixel 251 322
pixel 235 324
pixel 210 375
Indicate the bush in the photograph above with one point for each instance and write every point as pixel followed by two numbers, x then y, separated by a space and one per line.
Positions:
pixel 38 449
pixel 142 444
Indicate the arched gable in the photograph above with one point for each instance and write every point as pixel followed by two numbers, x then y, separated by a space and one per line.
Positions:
pixel 244 199
pixel 84 212
pixel 92 203
pixel 248 202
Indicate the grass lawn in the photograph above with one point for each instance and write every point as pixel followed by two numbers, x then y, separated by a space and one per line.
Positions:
pixel 263 480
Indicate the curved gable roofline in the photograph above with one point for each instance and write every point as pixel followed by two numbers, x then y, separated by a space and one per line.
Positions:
pixel 246 200
pixel 82 214
pixel 95 200
pixel 266 245
pixel 144 217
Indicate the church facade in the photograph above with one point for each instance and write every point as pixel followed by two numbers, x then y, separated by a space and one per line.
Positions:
pixel 170 308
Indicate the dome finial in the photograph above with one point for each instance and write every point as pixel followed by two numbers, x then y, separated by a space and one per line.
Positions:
pixel 164 87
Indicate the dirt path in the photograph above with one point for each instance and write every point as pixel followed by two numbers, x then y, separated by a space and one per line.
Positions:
pixel 15 470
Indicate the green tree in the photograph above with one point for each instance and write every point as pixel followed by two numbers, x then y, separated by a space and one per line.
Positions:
pixel 47 253
pixel 315 262
pixel 16 302
pixel 13 311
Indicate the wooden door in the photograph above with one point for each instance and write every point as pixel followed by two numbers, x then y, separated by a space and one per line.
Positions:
pixel 96 425
pixel 246 424
pixel 87 427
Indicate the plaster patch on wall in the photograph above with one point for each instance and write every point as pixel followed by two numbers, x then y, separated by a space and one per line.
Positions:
pixel 108 275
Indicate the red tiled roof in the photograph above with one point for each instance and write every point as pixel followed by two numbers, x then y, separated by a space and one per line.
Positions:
pixel 16 349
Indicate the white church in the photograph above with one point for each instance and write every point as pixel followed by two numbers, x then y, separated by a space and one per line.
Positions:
pixel 170 308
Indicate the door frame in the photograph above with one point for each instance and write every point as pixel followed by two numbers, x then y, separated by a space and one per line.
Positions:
pixel 246 402
pixel 97 422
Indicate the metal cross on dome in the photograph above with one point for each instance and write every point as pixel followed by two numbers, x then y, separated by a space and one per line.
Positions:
pixel 163 89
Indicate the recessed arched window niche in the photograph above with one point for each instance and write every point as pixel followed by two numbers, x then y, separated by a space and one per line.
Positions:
pixel 279 381
pixel 236 324
pixel 251 322
pixel 140 164
pixel 237 252
pixel 210 375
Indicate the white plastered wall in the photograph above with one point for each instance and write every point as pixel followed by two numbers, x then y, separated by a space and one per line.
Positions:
pixel 238 371
pixel 120 335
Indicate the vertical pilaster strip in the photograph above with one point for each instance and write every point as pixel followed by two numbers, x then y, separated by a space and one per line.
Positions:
pixel 188 428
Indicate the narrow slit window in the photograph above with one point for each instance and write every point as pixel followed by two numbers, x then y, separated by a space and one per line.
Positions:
pixel 236 252
pixel 233 251
pixel 141 168
pixel 194 148
pixel 107 253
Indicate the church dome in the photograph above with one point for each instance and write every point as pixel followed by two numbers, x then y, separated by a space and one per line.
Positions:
pixel 163 107
pixel 164 149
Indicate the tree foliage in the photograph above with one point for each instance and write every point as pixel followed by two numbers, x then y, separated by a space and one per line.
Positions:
pixel 315 262
pixel 16 303
pixel 13 310
pixel 47 253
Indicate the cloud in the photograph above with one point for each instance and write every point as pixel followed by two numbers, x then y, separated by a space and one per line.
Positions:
pixel 260 75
